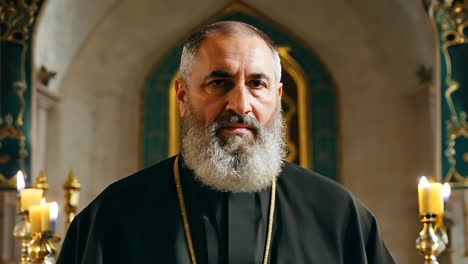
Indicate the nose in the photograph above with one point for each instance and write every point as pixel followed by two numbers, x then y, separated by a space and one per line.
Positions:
pixel 239 100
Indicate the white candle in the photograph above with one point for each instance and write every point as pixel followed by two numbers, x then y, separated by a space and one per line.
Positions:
pixel 430 197
pixel 446 191
pixel 45 217
pixel 53 216
pixel 35 219
pixel 30 197
pixel 19 182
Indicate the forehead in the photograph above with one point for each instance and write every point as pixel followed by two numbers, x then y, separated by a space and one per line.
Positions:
pixel 243 49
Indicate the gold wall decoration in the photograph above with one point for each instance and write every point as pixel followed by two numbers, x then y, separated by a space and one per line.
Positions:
pixel 289 64
pixel 450 19
pixel 9 131
pixel 15 18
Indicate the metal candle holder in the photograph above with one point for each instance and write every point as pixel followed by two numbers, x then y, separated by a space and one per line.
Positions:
pixel 72 196
pixel 38 248
pixel 22 233
pixel 428 243
pixel 41 247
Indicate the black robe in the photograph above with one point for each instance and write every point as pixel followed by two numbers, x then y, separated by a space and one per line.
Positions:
pixel 138 220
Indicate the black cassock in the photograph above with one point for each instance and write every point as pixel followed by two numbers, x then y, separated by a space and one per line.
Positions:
pixel 138 220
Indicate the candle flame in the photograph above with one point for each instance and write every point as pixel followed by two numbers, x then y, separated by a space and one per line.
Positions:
pixel 20 181
pixel 446 190
pixel 53 211
pixel 424 183
pixel 43 201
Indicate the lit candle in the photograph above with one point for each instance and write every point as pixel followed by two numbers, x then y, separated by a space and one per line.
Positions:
pixel 19 182
pixel 446 191
pixel 53 216
pixel 430 197
pixel 30 197
pixel 35 218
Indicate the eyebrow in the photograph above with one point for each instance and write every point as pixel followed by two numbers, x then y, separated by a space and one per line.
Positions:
pixel 227 75
pixel 218 74
pixel 259 76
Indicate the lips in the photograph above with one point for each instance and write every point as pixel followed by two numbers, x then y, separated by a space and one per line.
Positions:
pixel 236 128
pixel 237 125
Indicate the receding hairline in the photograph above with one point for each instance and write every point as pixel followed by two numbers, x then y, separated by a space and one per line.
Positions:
pixel 224 28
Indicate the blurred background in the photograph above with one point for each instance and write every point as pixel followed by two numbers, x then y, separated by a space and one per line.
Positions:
pixel 86 85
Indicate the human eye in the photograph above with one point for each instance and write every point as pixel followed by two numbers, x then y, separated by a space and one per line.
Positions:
pixel 218 86
pixel 218 83
pixel 257 84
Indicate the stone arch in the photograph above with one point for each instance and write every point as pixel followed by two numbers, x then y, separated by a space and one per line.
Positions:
pixel 316 116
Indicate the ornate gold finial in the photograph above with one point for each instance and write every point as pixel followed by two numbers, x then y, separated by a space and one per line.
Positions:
pixel 41 182
pixel 424 74
pixel 44 75
pixel 72 196
pixel 72 181
pixel 15 18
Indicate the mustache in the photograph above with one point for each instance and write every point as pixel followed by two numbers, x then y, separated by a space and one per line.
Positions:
pixel 233 118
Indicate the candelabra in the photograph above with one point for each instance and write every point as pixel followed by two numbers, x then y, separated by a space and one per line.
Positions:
pixel 72 196
pixel 41 182
pixel 41 248
pixel 432 239
pixel 22 233
pixel 36 228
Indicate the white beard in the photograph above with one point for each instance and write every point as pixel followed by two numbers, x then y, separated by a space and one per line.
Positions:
pixel 238 163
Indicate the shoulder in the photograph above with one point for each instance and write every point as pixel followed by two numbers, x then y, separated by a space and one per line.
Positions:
pixel 154 177
pixel 152 184
pixel 314 192
pixel 311 184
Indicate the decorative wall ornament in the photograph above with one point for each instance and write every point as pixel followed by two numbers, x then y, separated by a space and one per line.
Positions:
pixel 302 146
pixel 450 18
pixel 16 17
pixel 16 20
pixel 44 75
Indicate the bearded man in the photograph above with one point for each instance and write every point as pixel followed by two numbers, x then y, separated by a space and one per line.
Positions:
pixel 228 197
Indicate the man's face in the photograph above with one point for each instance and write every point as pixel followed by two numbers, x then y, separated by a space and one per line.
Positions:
pixel 231 74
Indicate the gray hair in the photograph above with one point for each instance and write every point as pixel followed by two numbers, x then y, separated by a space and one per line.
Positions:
pixel 226 28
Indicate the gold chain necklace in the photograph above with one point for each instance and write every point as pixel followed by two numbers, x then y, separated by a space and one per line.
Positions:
pixel 183 212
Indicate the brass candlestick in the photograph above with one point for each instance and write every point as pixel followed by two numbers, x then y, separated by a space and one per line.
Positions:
pixel 41 248
pixel 22 233
pixel 72 196
pixel 41 183
pixel 428 243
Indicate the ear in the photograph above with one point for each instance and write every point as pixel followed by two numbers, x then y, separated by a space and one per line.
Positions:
pixel 181 90
pixel 280 89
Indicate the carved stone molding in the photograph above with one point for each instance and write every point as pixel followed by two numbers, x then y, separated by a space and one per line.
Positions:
pixel 46 99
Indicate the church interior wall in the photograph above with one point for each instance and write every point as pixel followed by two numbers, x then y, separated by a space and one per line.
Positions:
pixel 103 52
